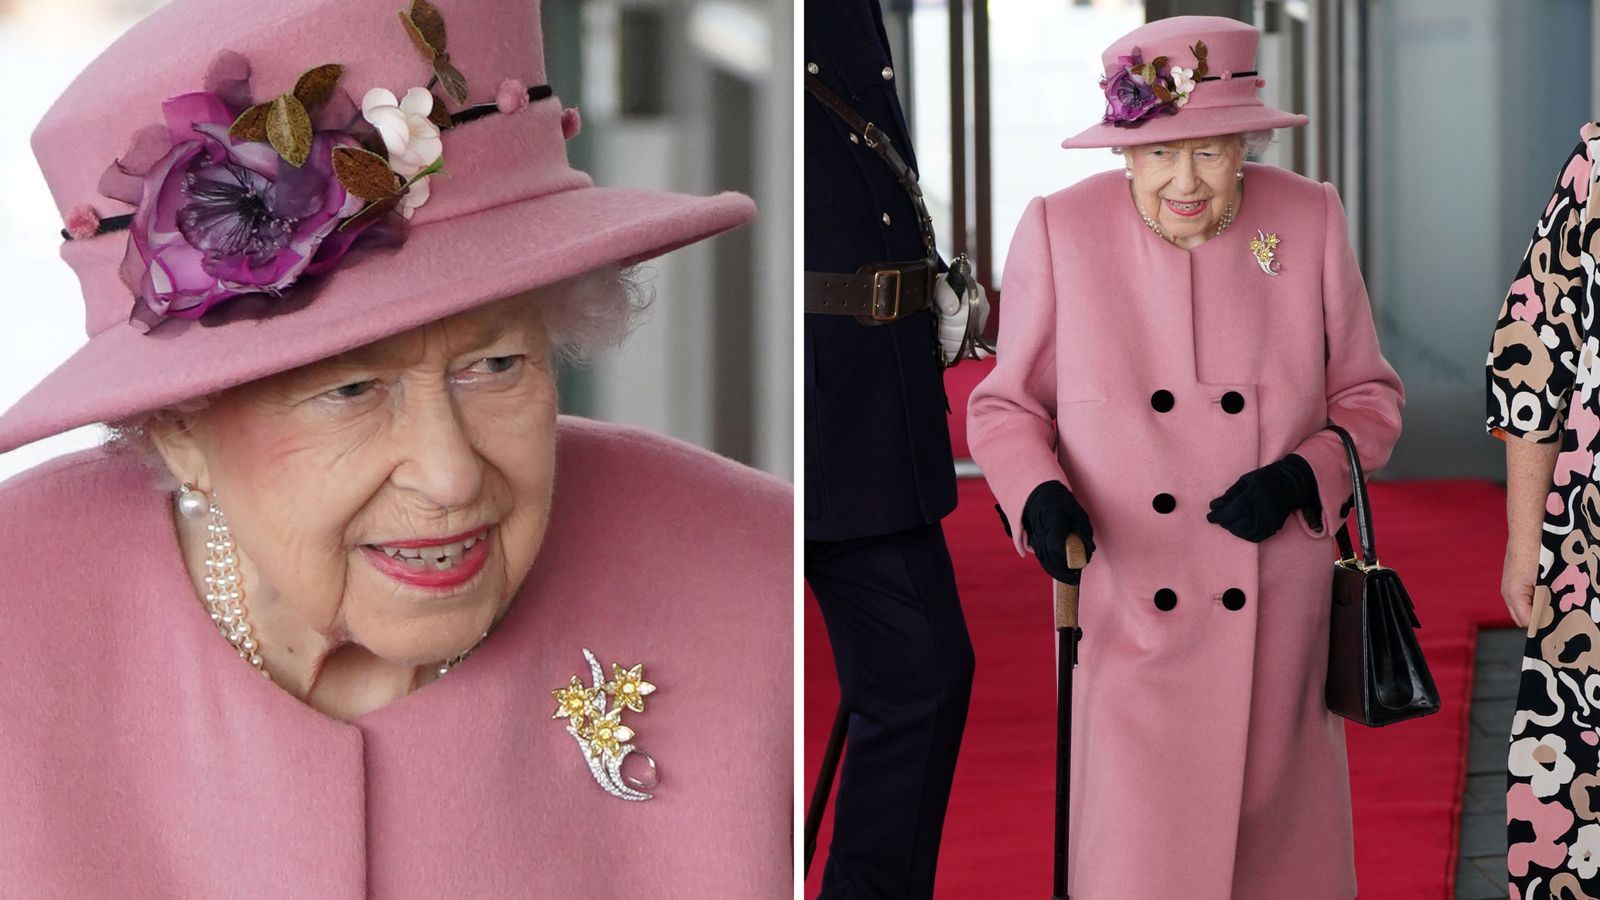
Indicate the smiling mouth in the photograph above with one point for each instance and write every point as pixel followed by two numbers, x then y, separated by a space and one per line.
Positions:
pixel 1186 209
pixel 435 565
pixel 437 557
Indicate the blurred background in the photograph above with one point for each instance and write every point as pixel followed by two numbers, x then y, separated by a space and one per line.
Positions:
pixel 688 95
pixel 1442 123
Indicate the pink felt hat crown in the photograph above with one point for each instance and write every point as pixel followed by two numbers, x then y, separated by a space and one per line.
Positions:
pixel 1226 101
pixel 508 213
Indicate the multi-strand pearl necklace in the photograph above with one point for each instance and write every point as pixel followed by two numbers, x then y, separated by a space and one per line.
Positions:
pixel 224 597
pixel 225 594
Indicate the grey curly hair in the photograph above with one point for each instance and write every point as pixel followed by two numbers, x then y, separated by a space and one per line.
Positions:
pixel 583 316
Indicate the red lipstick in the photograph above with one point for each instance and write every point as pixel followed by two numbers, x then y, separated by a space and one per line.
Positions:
pixel 426 576
pixel 434 542
pixel 1200 208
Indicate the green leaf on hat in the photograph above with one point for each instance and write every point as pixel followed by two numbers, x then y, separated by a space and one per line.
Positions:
pixel 434 168
pixel 425 24
pixel 251 124
pixel 289 129
pixel 451 79
pixel 365 174
pixel 316 85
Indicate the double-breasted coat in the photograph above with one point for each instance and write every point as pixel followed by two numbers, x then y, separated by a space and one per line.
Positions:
pixel 1148 378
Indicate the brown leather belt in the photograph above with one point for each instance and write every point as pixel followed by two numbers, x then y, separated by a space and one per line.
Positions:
pixel 876 295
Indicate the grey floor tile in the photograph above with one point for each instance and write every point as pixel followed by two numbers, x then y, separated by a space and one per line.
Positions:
pixel 1488 787
pixel 1496 684
pixel 1483 834
pixel 1492 718
pixel 1472 885
pixel 1498 671
pixel 1486 756
pixel 1493 870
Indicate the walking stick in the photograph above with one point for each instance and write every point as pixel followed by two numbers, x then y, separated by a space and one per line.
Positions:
pixel 1067 636
pixel 819 794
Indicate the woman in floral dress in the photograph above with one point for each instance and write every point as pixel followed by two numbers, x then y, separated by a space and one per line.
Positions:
pixel 1542 373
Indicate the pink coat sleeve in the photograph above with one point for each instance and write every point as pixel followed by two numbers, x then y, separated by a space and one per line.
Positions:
pixel 1011 415
pixel 1364 393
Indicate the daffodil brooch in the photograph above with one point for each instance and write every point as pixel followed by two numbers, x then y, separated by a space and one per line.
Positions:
pixel 1265 247
pixel 594 719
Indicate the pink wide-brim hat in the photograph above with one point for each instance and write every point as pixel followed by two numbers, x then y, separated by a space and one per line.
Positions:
pixel 1231 104
pixel 509 213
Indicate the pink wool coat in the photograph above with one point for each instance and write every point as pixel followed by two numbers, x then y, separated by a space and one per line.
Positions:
pixel 139 757
pixel 1205 764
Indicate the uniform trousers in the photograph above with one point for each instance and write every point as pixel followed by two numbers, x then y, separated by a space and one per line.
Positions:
pixel 904 663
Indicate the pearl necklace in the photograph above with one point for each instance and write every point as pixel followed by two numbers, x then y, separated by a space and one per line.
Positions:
pixel 1227 219
pixel 225 598
pixel 225 594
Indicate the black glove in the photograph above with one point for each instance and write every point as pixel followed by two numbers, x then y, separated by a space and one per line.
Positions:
pixel 1258 504
pixel 1051 514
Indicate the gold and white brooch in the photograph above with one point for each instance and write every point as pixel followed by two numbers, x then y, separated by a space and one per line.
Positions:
pixel 594 719
pixel 1265 247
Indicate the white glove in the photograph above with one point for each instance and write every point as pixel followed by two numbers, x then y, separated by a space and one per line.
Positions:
pixel 962 318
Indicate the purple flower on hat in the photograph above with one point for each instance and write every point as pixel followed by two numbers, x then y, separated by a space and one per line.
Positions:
pixel 218 217
pixel 1130 94
pixel 1128 98
pixel 1140 90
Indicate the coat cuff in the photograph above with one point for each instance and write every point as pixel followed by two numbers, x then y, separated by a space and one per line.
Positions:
pixel 1324 452
pixel 1024 470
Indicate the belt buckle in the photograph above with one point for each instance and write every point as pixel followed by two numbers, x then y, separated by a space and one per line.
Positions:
pixel 878 282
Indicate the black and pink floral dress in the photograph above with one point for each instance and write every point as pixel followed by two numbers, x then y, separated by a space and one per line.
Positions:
pixel 1542 373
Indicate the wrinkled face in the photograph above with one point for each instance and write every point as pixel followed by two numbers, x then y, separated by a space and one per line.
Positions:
pixel 1186 186
pixel 417 446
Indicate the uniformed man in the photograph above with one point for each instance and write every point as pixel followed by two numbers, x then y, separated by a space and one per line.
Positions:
pixel 879 473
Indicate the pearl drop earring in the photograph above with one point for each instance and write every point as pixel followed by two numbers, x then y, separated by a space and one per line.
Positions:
pixel 1239 175
pixel 1128 173
pixel 192 502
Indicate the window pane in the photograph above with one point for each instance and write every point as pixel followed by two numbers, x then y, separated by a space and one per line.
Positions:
pixel 1045 87
pixel 929 113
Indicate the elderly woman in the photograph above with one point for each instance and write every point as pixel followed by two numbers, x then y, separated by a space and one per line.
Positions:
pixel 1174 339
pixel 346 609
pixel 1542 371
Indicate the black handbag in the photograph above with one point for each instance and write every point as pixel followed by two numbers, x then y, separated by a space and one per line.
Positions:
pixel 1376 673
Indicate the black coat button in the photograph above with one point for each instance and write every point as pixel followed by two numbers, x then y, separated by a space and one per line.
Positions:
pixel 1233 598
pixel 1166 599
pixel 1164 503
pixel 1161 401
pixel 1233 403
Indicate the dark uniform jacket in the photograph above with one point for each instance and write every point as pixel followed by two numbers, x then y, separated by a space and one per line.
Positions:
pixel 877 440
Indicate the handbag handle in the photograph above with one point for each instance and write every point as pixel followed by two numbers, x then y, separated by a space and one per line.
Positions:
pixel 1369 550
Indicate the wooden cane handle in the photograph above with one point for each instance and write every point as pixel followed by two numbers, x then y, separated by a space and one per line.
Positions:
pixel 1067 594
pixel 1075 552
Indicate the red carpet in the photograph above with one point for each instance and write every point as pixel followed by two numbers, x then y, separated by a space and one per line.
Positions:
pixel 1446 538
